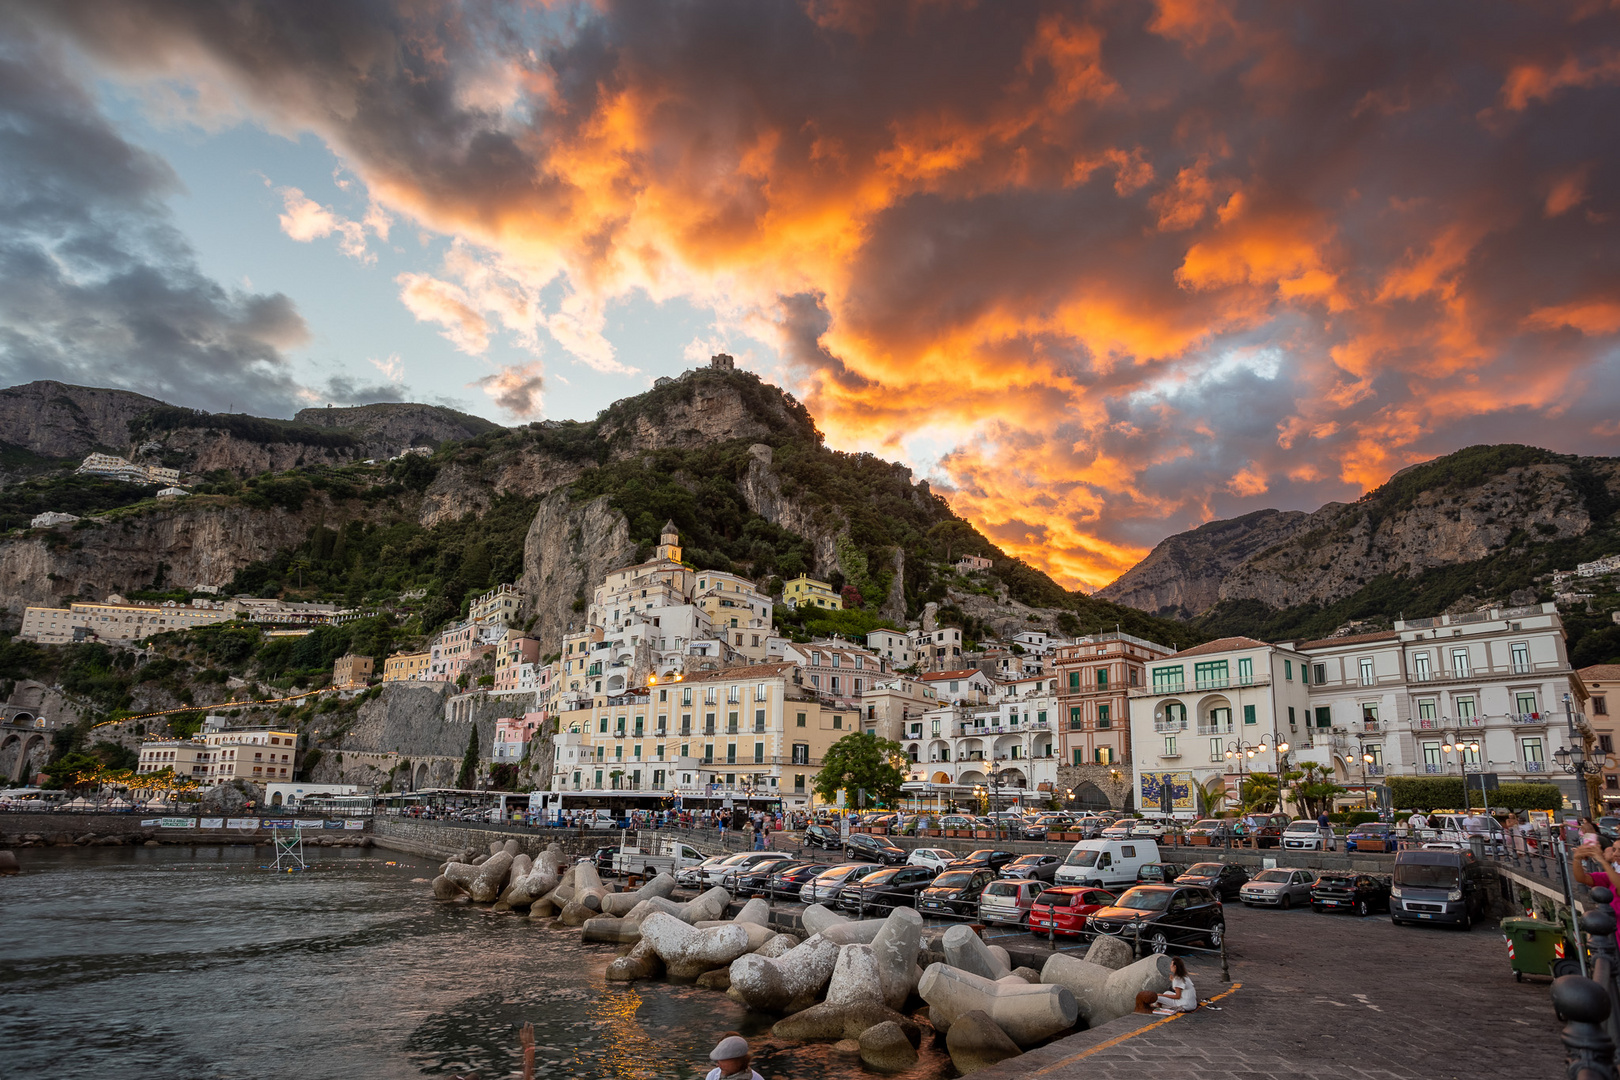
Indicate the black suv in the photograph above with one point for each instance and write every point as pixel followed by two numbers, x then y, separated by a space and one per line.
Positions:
pixel 1224 878
pixel 882 892
pixel 984 857
pixel 1163 915
pixel 756 880
pixel 873 848
pixel 786 882
pixel 1158 873
pixel 955 892
pixel 1361 893
pixel 822 836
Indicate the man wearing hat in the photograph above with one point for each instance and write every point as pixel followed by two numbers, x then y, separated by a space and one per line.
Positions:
pixel 731 1060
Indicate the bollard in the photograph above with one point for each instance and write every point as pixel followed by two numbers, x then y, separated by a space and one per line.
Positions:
pixel 1599 925
pixel 1226 972
pixel 1583 1005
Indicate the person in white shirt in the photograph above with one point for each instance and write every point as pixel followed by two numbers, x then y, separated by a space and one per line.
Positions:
pixel 1417 821
pixel 1182 997
pixel 730 1059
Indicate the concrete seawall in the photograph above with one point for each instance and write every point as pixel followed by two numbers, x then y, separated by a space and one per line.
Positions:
pixel 84 830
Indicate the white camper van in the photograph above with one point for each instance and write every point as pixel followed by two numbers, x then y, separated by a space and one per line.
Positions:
pixel 1106 862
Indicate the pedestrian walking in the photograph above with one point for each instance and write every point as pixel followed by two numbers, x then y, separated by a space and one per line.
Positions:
pixel 730 1059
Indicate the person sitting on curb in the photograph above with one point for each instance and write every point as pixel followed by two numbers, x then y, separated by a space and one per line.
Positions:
pixel 1181 998
pixel 730 1059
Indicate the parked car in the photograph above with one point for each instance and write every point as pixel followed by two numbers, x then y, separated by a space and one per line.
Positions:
pixel 954 892
pixel 1438 886
pixel 1344 891
pixel 786 882
pixel 933 857
pixel 1159 873
pixel 1035 867
pixel 1029 829
pixel 1609 830
pixel 694 875
pixel 1106 863
pixel 985 857
pixel 1265 829
pixel 1064 910
pixel 1306 835
pixel 711 873
pixel 730 876
pixel 956 821
pixel 889 888
pixel 1119 830
pixel 1224 878
pixel 863 846
pixel 1008 902
pixel 604 859
pixel 1090 827
pixel 1277 888
pixel 1164 915
pixel 1151 827
pixel 1215 830
pixel 824 887
pixel 823 836
pixel 1371 836
pixel 754 880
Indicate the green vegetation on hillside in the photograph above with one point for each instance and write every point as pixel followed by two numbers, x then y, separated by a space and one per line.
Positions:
pixel 257 429
pixel 67 493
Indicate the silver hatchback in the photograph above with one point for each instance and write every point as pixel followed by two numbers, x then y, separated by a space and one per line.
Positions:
pixel 1281 888
pixel 1008 902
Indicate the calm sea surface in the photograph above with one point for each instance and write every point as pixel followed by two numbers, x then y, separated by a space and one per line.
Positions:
pixel 186 963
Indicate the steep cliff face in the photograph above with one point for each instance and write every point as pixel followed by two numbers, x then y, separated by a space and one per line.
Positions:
pixel 202 541
pixel 700 408
pixel 54 419
pixel 1456 510
pixel 203 450
pixel 388 428
pixel 570 548
pixel 461 489
pixel 762 491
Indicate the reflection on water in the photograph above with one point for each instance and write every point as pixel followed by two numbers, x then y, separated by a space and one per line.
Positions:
pixel 197 962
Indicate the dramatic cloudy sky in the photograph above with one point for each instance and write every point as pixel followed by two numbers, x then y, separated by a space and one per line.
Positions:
pixel 1104 270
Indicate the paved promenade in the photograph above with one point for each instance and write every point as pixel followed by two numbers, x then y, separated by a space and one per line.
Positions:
pixel 1332 997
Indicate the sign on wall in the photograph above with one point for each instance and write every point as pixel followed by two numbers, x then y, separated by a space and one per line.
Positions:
pixel 1179 786
pixel 177 823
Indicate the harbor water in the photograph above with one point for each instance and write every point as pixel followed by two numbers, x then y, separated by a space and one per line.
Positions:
pixel 200 962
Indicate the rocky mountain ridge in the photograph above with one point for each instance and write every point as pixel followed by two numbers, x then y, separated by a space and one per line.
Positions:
pixel 1475 505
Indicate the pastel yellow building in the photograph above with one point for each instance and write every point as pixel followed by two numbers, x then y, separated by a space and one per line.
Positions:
pixel 807 591
pixel 404 666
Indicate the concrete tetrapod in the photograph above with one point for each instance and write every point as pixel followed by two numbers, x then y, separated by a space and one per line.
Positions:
pixel 1109 952
pixel 884 1047
pixel 622 903
pixel 975 1042
pixel 1027 1013
pixel 895 946
pixel 854 1002
pixel 588 887
pixel 819 917
pixel 641 962
pixel 1103 994
pixel 462 874
pixel 521 865
pixel 445 889
pixel 542 877
pixel 966 950
pixel 785 983
pixel 688 952
pixel 491 878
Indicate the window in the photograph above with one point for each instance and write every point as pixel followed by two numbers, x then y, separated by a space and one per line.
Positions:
pixel 801 753
pixel 1074 680
pixel 1217 749
pixel 1465 710
pixel 1210 675
pixel 798 720
pixel 731 753
pixel 1075 722
pixel 1533 761
pixel 1103 720
pixel 1288 670
pixel 1367 671
pixel 1170 746
pixel 1246 671
pixel 686 723
pixel 1324 716
pixel 1102 678
pixel 1606 744
pixel 1376 751
pixel 1526 703
pixel 1611 782
pixel 1175 713
pixel 1459 663
pixel 1369 715
pixel 759 719
pixel 1320 676
pixel 1248 714
pixel 838 723
pixel 640 721
pixel 1168 680
pixel 1291 720
pixel 759 753
pixel 1079 756
pixel 1105 755
pixel 1600 706
pixel 602 729
pixel 1520 651
pixel 708 752
pixel 708 723
pixel 798 782
pixel 1431 755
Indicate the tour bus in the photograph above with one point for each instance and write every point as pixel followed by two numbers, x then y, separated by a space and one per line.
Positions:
pixel 1103 863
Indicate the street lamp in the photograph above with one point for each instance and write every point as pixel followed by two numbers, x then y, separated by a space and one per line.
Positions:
pixel 1240 750
pixel 1572 759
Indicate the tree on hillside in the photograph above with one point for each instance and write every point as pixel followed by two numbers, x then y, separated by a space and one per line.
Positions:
pixel 469 761
pixel 860 762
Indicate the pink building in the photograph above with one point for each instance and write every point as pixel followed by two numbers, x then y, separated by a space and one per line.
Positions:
pixel 512 734
pixel 516 663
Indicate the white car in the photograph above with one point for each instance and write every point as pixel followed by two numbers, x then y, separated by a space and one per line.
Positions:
pixel 693 875
pixel 1306 835
pixel 1120 831
pixel 932 857
pixel 725 875
pixel 1147 827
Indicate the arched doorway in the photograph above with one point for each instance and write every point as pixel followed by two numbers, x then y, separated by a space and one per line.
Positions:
pixel 1088 796
pixel 421 780
pixel 940 778
pixel 275 800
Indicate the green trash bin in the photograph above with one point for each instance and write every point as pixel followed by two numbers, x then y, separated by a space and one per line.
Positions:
pixel 1535 945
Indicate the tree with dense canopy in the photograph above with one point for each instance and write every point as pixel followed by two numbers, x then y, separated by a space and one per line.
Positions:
pixel 860 763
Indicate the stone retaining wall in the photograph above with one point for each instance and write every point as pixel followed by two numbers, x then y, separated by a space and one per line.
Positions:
pixel 61 830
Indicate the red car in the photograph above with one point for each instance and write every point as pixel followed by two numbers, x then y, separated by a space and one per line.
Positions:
pixel 1068 906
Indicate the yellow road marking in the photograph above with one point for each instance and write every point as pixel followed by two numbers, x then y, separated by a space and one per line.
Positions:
pixel 1116 1040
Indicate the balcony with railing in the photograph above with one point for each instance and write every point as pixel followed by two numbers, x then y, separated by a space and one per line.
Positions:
pixel 1169 725
pixel 1481 672
pixel 1217 729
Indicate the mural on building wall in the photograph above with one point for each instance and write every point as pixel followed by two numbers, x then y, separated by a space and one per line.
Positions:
pixel 1180 785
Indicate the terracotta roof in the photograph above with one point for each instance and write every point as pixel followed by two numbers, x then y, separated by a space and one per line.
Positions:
pixel 1225 644
pixel 959 673
pixel 1349 639
pixel 752 671
pixel 1600 673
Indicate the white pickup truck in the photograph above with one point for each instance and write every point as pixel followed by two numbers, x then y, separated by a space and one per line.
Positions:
pixel 648 854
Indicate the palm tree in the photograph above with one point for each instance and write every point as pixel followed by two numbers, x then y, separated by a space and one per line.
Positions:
pixel 1210 794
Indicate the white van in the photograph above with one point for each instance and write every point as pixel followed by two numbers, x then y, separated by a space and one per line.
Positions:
pixel 1106 862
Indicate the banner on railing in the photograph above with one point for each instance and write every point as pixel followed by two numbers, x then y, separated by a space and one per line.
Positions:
pixel 212 823
pixel 249 823
pixel 177 823
pixel 150 823
pixel 354 826
pixel 333 825
pixel 279 823
pixel 309 823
